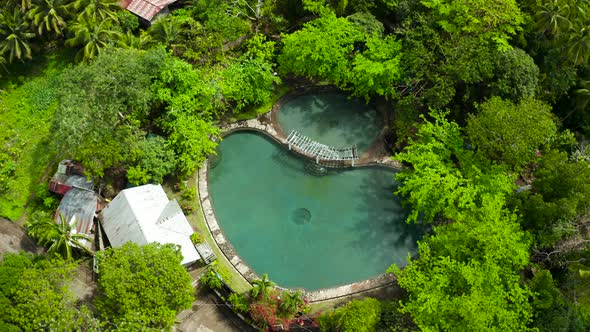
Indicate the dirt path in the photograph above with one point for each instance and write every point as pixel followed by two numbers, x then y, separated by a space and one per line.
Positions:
pixel 14 239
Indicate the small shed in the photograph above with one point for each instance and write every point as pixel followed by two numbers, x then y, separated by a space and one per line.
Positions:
pixel 78 206
pixel 143 215
pixel 69 175
pixel 145 9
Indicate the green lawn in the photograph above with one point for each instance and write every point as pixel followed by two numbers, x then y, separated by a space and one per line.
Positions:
pixel 28 99
pixel 27 112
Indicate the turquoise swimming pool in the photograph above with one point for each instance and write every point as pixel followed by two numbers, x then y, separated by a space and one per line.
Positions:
pixel 305 227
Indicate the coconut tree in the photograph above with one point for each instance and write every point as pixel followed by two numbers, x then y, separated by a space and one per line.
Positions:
pixel 49 15
pixel 167 31
pixel 16 32
pixel 578 46
pixel 23 4
pixel 552 17
pixel 262 287
pixel 141 42
pixel 92 35
pixel 60 237
pixel 97 9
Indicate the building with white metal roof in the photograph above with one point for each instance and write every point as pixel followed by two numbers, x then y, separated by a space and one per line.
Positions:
pixel 143 215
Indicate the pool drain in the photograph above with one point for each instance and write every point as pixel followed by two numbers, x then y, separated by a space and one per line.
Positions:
pixel 301 216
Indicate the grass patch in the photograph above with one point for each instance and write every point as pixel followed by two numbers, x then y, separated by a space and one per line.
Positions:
pixel 264 108
pixel 25 135
pixel 197 221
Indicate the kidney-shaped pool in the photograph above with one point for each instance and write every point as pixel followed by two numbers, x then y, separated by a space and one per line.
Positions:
pixel 304 225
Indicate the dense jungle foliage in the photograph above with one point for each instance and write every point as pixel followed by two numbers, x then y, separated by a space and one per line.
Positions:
pixel 490 109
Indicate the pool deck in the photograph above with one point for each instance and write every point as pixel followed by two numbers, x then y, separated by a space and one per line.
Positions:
pixel 267 124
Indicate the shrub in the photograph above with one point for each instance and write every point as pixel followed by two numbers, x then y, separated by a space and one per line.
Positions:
pixel 239 303
pixel 187 207
pixel 215 276
pixel 197 238
pixel 189 194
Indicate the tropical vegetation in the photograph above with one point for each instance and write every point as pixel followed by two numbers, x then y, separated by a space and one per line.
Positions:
pixel 488 110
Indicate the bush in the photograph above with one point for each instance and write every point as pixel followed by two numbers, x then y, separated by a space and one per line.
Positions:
pixel 239 303
pixel 361 316
pixel 187 207
pixel 197 238
pixel 215 276
pixel 189 194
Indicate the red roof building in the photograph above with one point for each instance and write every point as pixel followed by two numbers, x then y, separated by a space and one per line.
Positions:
pixel 145 9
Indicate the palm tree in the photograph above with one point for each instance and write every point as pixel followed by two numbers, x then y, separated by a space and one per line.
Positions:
pixel 49 15
pixel 16 29
pixel 141 42
pixel 262 287
pixel 578 46
pixel 97 9
pixel 290 302
pixel 167 31
pixel 23 4
pixel 552 17
pixel 60 237
pixel 93 36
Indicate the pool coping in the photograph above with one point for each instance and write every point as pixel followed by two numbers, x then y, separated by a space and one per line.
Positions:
pixel 264 124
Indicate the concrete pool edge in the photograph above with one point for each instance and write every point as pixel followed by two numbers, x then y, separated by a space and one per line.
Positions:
pixel 263 126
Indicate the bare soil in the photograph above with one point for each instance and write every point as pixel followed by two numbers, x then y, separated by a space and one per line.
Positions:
pixel 14 239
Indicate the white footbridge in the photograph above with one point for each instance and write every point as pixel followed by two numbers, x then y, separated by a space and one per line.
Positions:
pixel 319 151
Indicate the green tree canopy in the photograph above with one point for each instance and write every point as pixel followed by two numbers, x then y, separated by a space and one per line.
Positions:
pixel 491 20
pixel 362 316
pixel 511 133
pixel 445 179
pixel 248 82
pixel 192 138
pixel 34 293
pixel 450 294
pixel 337 50
pixel 142 286
pixel 155 157
pixel 102 106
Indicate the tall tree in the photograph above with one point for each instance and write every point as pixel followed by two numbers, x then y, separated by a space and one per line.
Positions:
pixel 61 237
pixel 103 106
pixel 49 15
pixel 165 286
pixel 493 21
pixel 15 30
pixel 35 294
pixel 338 50
pixel 512 133
pixel 98 10
pixel 445 179
pixel 93 35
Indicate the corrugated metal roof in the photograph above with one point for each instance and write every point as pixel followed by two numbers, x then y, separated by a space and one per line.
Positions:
pixel 146 9
pixel 78 206
pixel 80 182
pixel 142 215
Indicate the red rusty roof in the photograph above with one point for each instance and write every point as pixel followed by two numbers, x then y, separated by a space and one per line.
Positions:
pixel 146 9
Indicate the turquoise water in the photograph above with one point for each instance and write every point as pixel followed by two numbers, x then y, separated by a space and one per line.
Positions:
pixel 332 119
pixel 305 230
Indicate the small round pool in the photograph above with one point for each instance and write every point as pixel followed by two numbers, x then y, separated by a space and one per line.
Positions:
pixel 304 225
pixel 332 119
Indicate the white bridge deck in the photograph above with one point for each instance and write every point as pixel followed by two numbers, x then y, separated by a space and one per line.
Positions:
pixel 319 151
